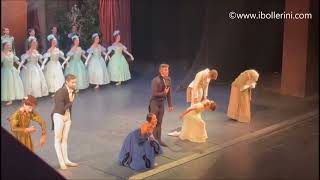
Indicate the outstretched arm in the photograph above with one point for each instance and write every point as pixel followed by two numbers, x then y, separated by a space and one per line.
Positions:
pixel 128 53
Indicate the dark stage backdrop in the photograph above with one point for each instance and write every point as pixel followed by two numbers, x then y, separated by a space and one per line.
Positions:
pixel 199 33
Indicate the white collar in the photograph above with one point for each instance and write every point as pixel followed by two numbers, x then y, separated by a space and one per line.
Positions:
pixel 69 90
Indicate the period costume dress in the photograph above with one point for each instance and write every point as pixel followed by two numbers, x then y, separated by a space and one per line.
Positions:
pixel 9 39
pixel 239 107
pixel 11 84
pixel 33 78
pixel 138 152
pixel 77 68
pixel 118 66
pixel 198 88
pixel 53 70
pixel 193 127
pixel 19 121
pixel 97 69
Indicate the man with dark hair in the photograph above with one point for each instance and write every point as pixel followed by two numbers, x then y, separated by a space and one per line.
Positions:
pixel 6 37
pixel 61 119
pixel 74 31
pixel 54 32
pixel 160 92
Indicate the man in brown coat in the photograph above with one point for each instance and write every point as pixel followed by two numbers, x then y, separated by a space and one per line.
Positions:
pixel 61 119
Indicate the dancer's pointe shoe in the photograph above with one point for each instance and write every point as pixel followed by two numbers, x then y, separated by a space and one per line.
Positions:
pixel 97 87
pixel 63 167
pixel 52 95
pixel 118 83
pixel 72 164
pixel 8 103
pixel 174 133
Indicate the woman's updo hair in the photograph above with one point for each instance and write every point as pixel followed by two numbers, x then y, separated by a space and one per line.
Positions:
pixel 4 43
pixel 213 106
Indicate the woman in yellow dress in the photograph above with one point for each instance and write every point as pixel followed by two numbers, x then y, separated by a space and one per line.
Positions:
pixel 20 122
pixel 240 98
pixel 193 127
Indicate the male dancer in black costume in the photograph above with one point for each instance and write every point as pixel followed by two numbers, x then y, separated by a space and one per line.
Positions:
pixel 160 92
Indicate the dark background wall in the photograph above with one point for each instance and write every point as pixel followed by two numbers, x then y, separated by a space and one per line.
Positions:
pixel 171 30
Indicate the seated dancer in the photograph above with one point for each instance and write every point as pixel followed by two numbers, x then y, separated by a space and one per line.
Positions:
pixel 240 97
pixel 198 88
pixel 193 127
pixel 20 122
pixel 140 148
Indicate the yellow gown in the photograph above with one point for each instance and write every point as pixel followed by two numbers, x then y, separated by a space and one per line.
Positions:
pixel 239 107
pixel 19 121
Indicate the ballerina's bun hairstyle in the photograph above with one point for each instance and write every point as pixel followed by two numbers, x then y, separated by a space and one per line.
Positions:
pixel 50 38
pixel 30 40
pixel 4 43
pixel 30 101
pixel 74 37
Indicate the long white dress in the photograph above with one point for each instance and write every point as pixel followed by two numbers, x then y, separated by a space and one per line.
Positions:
pixel 11 84
pixel 118 65
pixel 97 68
pixel 53 70
pixel 193 127
pixel 33 78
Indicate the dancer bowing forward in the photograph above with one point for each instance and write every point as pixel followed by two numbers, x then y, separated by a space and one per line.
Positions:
pixel 139 149
pixel 240 98
pixel 193 127
pixel 198 88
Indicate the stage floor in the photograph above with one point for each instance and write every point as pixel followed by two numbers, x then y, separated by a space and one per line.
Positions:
pixel 101 119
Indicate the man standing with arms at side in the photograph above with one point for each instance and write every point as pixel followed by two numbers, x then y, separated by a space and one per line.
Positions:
pixel 61 119
pixel 161 91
